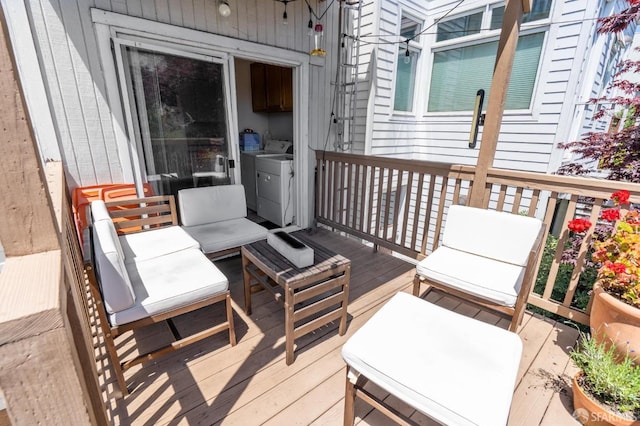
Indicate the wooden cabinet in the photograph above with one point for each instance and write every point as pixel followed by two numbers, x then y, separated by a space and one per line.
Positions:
pixel 271 88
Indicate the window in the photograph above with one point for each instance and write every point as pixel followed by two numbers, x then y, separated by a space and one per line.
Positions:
pixel 540 10
pixel 459 27
pixel 459 73
pixel 407 62
pixel 460 70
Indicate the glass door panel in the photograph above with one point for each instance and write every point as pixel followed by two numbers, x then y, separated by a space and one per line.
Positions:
pixel 181 108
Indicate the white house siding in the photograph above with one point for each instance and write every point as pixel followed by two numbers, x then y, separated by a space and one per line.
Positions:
pixel 528 139
pixel 68 53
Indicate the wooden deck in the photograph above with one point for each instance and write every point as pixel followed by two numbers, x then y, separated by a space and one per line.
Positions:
pixel 250 384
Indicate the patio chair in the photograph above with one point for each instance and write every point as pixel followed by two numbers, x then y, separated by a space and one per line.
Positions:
pixel 152 276
pixel 487 257
pixel 453 369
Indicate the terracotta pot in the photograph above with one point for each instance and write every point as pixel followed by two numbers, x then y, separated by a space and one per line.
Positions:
pixel 588 412
pixel 615 322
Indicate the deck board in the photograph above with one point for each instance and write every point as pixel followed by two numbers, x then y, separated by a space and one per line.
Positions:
pixel 250 384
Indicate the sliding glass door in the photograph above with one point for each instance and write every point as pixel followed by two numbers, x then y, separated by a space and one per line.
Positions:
pixel 180 118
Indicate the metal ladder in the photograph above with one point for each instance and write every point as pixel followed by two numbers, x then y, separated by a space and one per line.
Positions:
pixel 346 81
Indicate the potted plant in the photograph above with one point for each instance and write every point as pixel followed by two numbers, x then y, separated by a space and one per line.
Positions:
pixel 615 310
pixel 607 390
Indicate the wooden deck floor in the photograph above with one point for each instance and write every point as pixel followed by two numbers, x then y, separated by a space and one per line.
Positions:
pixel 250 384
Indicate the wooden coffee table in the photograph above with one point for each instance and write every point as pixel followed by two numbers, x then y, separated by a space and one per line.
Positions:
pixel 312 296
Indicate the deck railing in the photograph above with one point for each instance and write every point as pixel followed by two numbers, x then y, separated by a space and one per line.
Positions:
pixel 402 205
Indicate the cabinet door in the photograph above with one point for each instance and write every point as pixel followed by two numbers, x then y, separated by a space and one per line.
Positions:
pixel 287 89
pixel 258 89
pixel 273 81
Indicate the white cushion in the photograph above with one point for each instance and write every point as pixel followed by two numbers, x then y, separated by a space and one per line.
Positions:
pixel 498 235
pixel 209 204
pixel 170 282
pixel 454 369
pixel 489 279
pixel 218 236
pixel 99 211
pixel 155 242
pixel 117 291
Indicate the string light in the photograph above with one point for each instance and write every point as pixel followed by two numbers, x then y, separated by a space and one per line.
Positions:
pixel 407 55
pixel 284 13
pixel 310 24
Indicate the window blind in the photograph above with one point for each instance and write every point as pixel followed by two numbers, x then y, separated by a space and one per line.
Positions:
pixel 458 73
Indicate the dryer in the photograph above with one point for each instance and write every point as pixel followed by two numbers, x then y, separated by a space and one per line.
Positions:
pixel 275 188
pixel 248 167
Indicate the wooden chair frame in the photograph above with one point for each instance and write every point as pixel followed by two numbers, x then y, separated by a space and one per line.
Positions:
pixel 152 211
pixel 517 312
pixel 354 389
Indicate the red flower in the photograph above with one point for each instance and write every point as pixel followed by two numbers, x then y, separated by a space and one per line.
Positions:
pixel 617 268
pixel 579 225
pixel 611 215
pixel 620 197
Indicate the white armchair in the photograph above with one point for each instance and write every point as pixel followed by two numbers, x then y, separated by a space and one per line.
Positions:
pixel 487 257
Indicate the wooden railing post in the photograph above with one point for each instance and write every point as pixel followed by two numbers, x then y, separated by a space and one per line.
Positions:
pixel 497 97
pixel 40 373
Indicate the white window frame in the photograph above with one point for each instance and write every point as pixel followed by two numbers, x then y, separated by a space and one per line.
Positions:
pixel 486 36
pixel 211 45
pixel 414 47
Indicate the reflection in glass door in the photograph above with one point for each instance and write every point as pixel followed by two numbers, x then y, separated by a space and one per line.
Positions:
pixel 182 119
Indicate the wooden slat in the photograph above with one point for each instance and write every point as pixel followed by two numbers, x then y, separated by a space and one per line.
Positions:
pixel 341 193
pixel 387 202
pixel 582 254
pixel 335 190
pixel 456 191
pixel 348 189
pixel 318 289
pixel 318 306
pixel 533 204
pixel 139 211
pixel 427 213
pixel 443 199
pixel 376 231
pixel 313 325
pixel 555 266
pixel 516 201
pixel 407 206
pixel 416 213
pixel 148 221
pixel 502 193
pixel 486 197
pixel 396 206
pixel 363 197
pixel 356 199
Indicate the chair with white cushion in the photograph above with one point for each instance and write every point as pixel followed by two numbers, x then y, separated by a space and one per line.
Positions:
pixel 486 256
pixel 151 276
pixel 452 368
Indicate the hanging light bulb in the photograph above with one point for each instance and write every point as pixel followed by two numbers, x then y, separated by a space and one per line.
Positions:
pixel 407 55
pixel 223 9
pixel 318 34
pixel 284 13
pixel 310 24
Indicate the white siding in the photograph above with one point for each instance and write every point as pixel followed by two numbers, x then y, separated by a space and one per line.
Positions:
pixel 67 49
pixel 528 139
